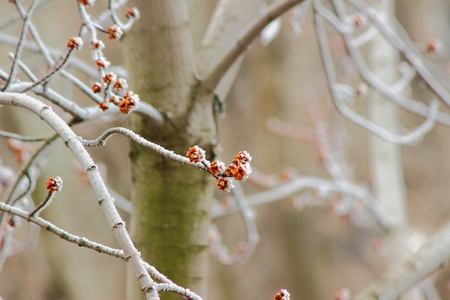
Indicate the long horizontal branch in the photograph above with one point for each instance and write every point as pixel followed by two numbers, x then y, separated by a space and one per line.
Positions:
pixel 165 285
pixel 431 256
pixel 300 184
pixel 101 141
pixel 243 42
pixel 80 241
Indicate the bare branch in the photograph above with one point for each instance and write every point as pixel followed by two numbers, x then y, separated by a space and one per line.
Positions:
pixel 339 97
pixel 80 241
pixel 26 24
pixel 413 56
pixel 101 141
pixel 243 42
pixel 431 256
pixel 105 199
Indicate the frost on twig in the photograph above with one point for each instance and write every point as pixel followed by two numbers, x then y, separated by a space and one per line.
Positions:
pixel 343 95
pixel 245 248
pixel 239 169
pixel 106 201
pixel 282 295
pixel 53 185
pixel 114 93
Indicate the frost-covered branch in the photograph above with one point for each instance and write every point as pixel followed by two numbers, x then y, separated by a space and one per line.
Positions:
pixel 105 200
pixel 432 256
pixel 101 141
pixel 80 241
pixel 405 45
pixel 244 249
pixel 297 185
pixel 19 48
pixel 243 42
pixel 341 94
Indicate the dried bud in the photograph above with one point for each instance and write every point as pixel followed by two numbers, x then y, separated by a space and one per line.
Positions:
pixel 225 184
pixel 132 13
pixel 102 63
pixel 216 168
pixel 54 184
pixel 75 43
pixel 361 89
pixel 342 294
pixel 359 20
pixel 121 84
pixel 87 2
pixel 98 45
pixel 115 32
pixel 282 295
pixel 96 87
pixel 195 154
pixel 434 47
pixel 103 105
pixel 239 171
pixel 108 78
pixel 242 157
pixel 128 102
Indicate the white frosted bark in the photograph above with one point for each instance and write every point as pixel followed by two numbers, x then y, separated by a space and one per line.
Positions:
pixel 385 157
pixel 46 113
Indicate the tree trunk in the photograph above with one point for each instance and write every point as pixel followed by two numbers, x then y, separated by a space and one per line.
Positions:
pixel 385 157
pixel 170 218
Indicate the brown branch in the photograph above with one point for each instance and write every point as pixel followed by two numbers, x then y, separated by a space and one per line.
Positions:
pixel 232 54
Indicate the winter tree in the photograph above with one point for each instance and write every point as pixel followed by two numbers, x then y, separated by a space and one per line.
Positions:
pixel 201 129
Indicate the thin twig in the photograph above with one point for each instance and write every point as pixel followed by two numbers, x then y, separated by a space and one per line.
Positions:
pixel 51 73
pixel 243 42
pixel 413 56
pixel 390 93
pixel 351 115
pixel 300 184
pixel 101 141
pixel 105 200
pixel 35 212
pixel 19 137
pixel 26 23
pixel 401 277
pixel 80 241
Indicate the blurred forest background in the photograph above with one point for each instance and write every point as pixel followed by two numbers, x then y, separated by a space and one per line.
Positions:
pixel 311 252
